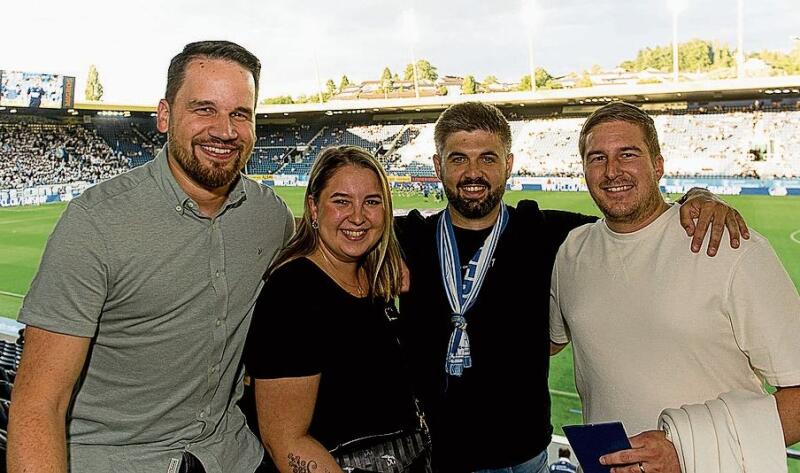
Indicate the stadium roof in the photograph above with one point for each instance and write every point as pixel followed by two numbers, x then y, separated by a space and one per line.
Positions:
pixel 712 90
pixel 577 100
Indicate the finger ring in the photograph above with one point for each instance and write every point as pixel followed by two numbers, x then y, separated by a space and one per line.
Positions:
pixel 641 467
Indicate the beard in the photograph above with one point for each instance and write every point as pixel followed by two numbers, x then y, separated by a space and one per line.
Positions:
pixel 211 176
pixel 470 208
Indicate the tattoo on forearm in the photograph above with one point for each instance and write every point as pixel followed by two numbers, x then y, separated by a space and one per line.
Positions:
pixel 299 465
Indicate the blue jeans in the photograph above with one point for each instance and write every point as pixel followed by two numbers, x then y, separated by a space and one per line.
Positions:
pixel 537 464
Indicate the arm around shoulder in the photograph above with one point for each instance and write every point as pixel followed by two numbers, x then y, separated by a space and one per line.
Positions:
pixel 711 214
pixel 50 366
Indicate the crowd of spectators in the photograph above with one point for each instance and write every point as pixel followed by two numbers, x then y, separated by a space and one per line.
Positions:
pixel 33 154
pixel 285 136
pixel 377 133
pixel 744 144
pixel 547 147
pixel 737 144
pixel 151 141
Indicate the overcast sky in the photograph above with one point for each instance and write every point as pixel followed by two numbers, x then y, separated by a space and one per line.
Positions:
pixel 132 41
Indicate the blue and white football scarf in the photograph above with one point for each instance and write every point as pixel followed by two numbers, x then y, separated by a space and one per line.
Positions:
pixel 462 292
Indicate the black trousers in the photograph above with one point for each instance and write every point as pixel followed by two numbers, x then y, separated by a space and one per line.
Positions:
pixel 191 464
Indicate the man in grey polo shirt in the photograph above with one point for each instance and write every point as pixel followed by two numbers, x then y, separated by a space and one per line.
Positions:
pixel 138 314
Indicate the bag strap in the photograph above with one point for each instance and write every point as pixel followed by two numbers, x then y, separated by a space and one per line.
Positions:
pixel 392 316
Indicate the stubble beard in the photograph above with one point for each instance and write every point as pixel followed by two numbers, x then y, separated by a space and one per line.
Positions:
pixel 637 213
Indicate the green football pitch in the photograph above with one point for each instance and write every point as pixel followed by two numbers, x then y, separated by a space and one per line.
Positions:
pixel 24 231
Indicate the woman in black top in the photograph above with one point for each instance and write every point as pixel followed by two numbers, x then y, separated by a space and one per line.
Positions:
pixel 327 366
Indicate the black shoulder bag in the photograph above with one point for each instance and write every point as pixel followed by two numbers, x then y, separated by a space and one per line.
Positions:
pixel 407 451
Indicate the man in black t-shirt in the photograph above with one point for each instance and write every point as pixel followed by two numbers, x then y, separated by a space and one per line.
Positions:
pixel 475 321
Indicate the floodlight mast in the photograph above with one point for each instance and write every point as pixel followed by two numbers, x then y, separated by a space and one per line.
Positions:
pixel 740 41
pixel 408 23
pixel 530 63
pixel 530 16
pixel 416 75
pixel 676 6
pixel 315 35
pixel 316 72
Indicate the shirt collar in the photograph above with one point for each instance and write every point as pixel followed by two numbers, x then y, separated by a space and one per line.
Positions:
pixel 166 181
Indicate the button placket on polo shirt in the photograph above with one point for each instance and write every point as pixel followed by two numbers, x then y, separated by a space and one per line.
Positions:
pixel 219 311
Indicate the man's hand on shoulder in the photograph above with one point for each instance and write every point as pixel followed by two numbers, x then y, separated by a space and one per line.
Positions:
pixel 710 211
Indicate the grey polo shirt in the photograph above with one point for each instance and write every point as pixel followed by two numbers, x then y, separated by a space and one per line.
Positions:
pixel 166 295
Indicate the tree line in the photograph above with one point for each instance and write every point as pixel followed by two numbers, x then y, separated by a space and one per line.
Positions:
pixel 716 59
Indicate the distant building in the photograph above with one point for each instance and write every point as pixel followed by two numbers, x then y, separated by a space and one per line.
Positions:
pixel 373 89
pixel 451 83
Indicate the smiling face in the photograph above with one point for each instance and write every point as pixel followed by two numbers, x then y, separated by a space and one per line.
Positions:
pixel 622 176
pixel 474 167
pixel 350 212
pixel 210 124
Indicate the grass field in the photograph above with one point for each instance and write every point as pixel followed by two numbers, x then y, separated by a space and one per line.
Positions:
pixel 24 231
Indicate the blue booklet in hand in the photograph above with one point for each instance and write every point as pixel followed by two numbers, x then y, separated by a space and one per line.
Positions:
pixel 592 441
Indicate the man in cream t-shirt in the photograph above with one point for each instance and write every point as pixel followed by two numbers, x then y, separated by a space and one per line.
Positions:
pixel 654 326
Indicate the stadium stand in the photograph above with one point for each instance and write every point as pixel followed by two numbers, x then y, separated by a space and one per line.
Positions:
pixel 9 363
pixel 778 131
pixel 33 154
pixel 10 354
pixel 733 144
pixel 135 138
pixel 267 160
pixel 413 155
pixel 697 145
pixel 547 147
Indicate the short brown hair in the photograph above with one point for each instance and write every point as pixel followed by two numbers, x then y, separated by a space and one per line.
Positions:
pixel 224 50
pixel 623 112
pixel 471 116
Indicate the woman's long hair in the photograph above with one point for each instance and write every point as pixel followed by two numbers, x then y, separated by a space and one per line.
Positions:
pixel 383 263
